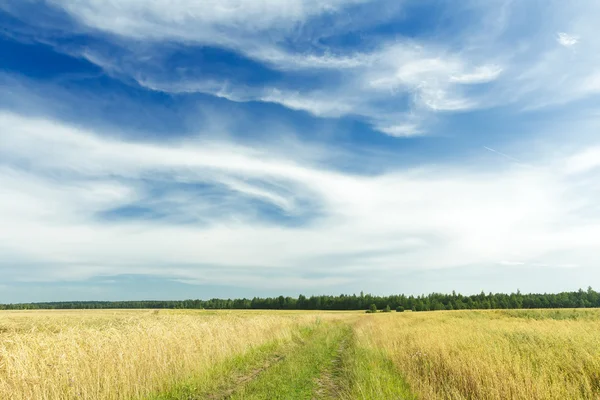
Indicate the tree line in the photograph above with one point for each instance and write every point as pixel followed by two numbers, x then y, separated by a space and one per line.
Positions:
pixel 431 302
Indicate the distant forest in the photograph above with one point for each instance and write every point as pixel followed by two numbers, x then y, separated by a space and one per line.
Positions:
pixel 431 302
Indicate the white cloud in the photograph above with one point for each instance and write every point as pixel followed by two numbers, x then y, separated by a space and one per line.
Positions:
pixel 482 74
pixel 564 39
pixel 434 217
pixel 402 130
pixel 284 60
pixel 319 104
pixel 439 99
pixel 435 77
pixel 229 23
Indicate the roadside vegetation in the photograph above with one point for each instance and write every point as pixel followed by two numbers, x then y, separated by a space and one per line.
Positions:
pixel 501 354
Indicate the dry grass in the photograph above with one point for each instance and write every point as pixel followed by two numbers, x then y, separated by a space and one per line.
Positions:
pixel 553 354
pixel 125 354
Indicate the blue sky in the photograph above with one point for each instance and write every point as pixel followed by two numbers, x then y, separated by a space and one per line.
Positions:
pixel 191 149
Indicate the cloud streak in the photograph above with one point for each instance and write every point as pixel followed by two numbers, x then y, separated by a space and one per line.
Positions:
pixel 432 77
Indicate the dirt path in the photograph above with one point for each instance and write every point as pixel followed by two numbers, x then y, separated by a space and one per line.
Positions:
pixel 242 380
pixel 328 384
pixel 313 366
pixel 303 372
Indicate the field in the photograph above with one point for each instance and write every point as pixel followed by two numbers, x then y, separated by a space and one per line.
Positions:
pixel 176 354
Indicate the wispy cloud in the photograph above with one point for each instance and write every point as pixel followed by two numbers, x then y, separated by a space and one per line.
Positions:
pixel 437 217
pixel 203 22
pixel 362 79
pixel 385 75
pixel 372 79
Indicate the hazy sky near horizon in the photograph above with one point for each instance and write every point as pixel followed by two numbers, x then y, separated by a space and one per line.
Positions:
pixel 165 149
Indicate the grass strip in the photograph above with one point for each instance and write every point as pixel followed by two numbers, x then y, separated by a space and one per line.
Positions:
pixel 368 375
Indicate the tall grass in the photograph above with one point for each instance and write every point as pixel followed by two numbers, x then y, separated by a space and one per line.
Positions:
pixel 108 354
pixel 541 354
pixel 121 354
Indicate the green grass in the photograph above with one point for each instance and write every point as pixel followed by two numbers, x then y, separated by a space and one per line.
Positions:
pixel 369 374
pixel 297 377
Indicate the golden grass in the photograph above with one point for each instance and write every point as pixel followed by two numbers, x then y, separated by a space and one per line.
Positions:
pixel 120 354
pixel 131 354
pixel 553 354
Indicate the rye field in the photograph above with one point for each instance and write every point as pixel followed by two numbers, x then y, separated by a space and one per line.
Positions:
pixel 185 354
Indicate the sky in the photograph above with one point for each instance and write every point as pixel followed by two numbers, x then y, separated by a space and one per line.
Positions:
pixel 172 149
